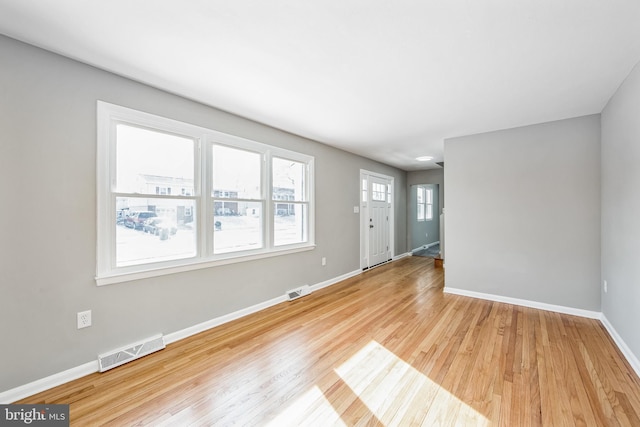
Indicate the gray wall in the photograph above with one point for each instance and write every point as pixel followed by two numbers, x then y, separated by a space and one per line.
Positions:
pixel 48 255
pixel 422 232
pixel 523 213
pixel 621 210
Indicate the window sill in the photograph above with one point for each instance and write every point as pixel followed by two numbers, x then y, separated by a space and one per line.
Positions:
pixel 109 279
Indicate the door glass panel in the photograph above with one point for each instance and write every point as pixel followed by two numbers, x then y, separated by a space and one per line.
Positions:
pixel 379 192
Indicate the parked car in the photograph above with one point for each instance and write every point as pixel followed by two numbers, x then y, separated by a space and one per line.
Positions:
pixel 136 220
pixel 120 217
pixel 159 226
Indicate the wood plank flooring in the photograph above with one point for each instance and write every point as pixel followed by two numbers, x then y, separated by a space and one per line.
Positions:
pixel 384 348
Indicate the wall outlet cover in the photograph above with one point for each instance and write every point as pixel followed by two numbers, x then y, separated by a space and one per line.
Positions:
pixel 84 319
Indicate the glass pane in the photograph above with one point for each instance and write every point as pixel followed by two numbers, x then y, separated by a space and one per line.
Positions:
pixel 154 230
pixel 364 190
pixel 429 211
pixel 151 162
pixel 236 173
pixel 429 195
pixel 237 226
pixel 420 194
pixel 289 180
pixel 420 212
pixel 290 223
pixel 379 192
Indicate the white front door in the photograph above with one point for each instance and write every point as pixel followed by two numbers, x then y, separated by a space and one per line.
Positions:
pixel 378 225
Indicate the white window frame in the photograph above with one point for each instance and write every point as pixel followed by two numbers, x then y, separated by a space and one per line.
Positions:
pixel 428 213
pixel 109 115
pixel 306 201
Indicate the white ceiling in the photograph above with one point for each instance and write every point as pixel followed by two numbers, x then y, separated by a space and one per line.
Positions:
pixel 386 79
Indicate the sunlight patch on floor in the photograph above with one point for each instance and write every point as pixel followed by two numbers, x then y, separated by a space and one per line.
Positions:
pixel 310 409
pixel 397 394
pixel 388 389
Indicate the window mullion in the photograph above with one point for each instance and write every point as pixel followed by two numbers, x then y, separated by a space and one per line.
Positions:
pixel 205 199
pixel 267 195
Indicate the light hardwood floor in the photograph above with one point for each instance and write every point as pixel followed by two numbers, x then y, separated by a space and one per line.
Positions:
pixel 386 347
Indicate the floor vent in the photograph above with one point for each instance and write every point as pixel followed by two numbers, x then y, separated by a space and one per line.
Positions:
pixel 131 352
pixel 298 292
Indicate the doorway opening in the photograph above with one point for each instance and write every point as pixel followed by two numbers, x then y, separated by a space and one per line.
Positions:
pixel 424 220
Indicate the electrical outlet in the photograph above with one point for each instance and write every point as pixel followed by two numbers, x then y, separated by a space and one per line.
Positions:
pixel 605 287
pixel 84 319
pixel 324 261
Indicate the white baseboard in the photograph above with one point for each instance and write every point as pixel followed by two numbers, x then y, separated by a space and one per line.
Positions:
pixel 209 324
pixel 427 246
pixel 617 339
pixel 404 255
pixel 46 383
pixel 88 368
pixel 335 280
pixel 624 348
pixel 525 303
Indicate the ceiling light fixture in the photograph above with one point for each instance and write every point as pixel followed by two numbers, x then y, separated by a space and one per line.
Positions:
pixel 424 158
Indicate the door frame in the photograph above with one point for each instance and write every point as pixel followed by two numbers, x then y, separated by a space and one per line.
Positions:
pixel 364 215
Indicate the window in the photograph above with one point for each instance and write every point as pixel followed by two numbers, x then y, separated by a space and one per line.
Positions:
pixel 365 197
pixel 144 158
pixel 238 201
pixel 424 204
pixel 289 183
pixel 378 192
pixel 174 197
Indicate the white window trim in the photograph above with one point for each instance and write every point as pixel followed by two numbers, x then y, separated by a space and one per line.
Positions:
pixel 106 271
pixel 421 189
